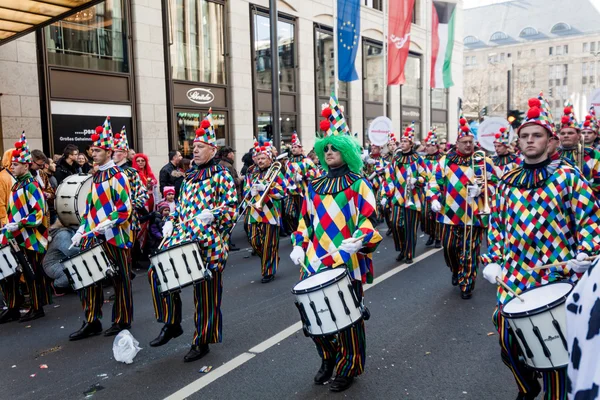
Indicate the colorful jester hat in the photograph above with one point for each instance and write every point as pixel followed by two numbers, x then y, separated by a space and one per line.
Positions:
pixel 296 140
pixel 463 128
pixel 568 119
pixel 121 143
pixel 21 153
pixel 590 123
pixel 206 133
pixel 502 137
pixel 539 114
pixel 432 138
pixel 338 135
pixel 409 132
pixel 392 138
pixel 103 138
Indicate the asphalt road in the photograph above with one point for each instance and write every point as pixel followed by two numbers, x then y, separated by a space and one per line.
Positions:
pixel 423 342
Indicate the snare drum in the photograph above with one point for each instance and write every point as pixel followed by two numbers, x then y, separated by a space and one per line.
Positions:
pixel 327 302
pixel 540 325
pixel 88 267
pixel 71 198
pixel 8 263
pixel 179 266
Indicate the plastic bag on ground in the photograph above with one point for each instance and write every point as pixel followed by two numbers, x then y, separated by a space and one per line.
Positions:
pixel 125 347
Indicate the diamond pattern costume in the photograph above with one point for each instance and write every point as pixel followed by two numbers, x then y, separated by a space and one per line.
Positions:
pixel 303 166
pixel 505 163
pixel 591 165
pixel 431 226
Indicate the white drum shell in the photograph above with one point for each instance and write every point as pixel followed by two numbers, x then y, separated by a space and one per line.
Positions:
pixel 71 198
pixel 8 263
pixel 329 291
pixel 171 268
pixel 88 267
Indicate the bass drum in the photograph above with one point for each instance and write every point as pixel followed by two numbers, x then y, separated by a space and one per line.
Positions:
pixel 71 198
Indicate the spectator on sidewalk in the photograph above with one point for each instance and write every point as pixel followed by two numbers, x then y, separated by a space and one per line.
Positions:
pixel 169 197
pixel 83 163
pixel 67 165
pixel 156 221
pixel 58 250
pixel 166 177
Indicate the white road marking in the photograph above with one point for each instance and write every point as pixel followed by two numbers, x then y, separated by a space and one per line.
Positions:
pixel 229 366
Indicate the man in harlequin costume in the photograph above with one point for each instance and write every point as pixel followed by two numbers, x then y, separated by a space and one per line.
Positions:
pixel 454 184
pixel 570 140
pixel 206 212
pixel 392 147
pixel 504 160
pixel 263 222
pixel 432 227
pixel 375 166
pixel 589 129
pixel 323 227
pixel 26 211
pixel 108 215
pixel 544 212
pixel 403 176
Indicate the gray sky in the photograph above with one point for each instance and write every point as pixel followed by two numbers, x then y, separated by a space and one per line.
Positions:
pixel 475 3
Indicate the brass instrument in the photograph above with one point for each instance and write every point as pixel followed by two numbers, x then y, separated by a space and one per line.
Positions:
pixel 408 190
pixel 581 152
pixel 477 161
pixel 268 181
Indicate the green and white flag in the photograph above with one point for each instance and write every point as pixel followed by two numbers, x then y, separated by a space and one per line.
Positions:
pixel 442 44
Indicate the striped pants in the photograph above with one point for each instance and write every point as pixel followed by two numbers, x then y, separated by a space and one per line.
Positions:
pixel 207 304
pixel 405 223
pixel 555 382
pixel 465 265
pixel 431 227
pixel 291 212
pixel 39 289
pixel 92 297
pixel 264 239
pixel 347 347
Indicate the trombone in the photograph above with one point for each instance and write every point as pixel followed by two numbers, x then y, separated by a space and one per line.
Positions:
pixel 581 153
pixel 477 161
pixel 268 181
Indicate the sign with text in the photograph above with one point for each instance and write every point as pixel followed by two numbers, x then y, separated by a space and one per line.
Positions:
pixel 379 131
pixel 486 134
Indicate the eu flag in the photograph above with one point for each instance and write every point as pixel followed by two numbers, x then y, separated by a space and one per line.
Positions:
pixel 348 32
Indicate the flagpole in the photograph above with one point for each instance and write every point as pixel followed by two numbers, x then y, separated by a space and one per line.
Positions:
pixel 385 56
pixel 335 48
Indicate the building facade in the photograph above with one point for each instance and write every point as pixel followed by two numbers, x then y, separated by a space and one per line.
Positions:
pixel 157 66
pixel 556 51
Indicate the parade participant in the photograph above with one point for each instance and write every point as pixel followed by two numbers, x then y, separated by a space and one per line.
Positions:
pixel 504 160
pixel 108 214
pixel 454 183
pixel 39 162
pixel 206 211
pixel 570 140
pixel 26 213
pixel 264 218
pixel 300 169
pixel 544 212
pixel 375 166
pixel 403 176
pixel 344 187
pixel 431 226
pixel 6 183
pixel 589 129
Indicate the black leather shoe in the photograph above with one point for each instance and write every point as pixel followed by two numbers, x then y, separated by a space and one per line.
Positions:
pixel 466 295
pixel 533 393
pixel 32 314
pixel 87 329
pixel 196 353
pixel 12 314
pixel 115 329
pixel 167 333
pixel 341 383
pixel 325 372
pixel 233 247
pixel 409 261
pixel 400 257
pixel 267 278
pixel 388 233
pixel 430 241
pixel 454 279
pixel 438 244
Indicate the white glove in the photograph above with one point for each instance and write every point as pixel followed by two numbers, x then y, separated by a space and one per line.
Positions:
pixel 580 264
pixel 436 206
pixel 76 239
pixel 11 226
pixel 491 272
pixel 297 255
pixel 104 226
pixel 257 188
pixel 207 217
pixel 412 181
pixel 167 229
pixel 298 178
pixel 473 191
pixel 351 246
pixel 383 201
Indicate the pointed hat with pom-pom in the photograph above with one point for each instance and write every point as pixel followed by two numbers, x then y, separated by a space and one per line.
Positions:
pixel 502 137
pixel 539 114
pixel 568 119
pixel 409 132
pixel 334 122
pixel 432 138
pixel 590 123
pixel 120 140
pixel 463 128
pixel 21 153
pixel 206 132
pixel 103 138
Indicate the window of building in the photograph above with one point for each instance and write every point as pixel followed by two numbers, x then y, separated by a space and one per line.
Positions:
pixel 92 39
pixel 561 27
pixel 501 56
pixel 550 50
pixel 592 46
pixel 376 4
pixel 198 49
pixel 585 47
pixel 373 72
pixel 410 93
pixel 566 49
pixel 529 31
pixel 584 69
pixel 470 40
pixel 473 60
pixel 519 54
pixel 497 36
pixel 559 50
pixel 439 99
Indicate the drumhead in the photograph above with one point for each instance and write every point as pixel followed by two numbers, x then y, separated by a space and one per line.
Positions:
pixel 82 195
pixel 539 298
pixel 182 244
pixel 81 252
pixel 323 278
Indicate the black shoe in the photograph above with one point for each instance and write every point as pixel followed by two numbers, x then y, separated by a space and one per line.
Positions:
pixel 31 315
pixel 454 279
pixel 267 278
pixel 430 241
pixel 196 353
pixel 167 333
pixel 11 314
pixel 409 261
pixel 400 257
pixel 438 244
pixel 233 247
pixel 132 275
pixel 341 383
pixel 116 328
pixel 388 233
pixel 325 372
pixel 112 297
pixel 532 393
pixel 466 295
pixel 87 329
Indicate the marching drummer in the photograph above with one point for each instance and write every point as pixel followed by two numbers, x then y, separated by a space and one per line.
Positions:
pixel 345 227
pixel 107 214
pixel 544 212
pixel 26 212
pixel 205 212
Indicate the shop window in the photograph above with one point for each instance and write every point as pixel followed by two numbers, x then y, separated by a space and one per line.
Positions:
pixel 373 72
pixel 188 122
pixel 411 90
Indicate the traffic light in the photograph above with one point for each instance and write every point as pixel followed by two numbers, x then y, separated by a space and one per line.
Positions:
pixel 483 112
pixel 515 118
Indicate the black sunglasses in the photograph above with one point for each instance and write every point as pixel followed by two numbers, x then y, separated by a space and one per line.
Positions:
pixel 330 147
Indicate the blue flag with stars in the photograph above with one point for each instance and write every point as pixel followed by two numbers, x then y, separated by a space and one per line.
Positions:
pixel 348 32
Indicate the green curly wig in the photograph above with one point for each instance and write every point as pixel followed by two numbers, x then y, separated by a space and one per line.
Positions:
pixel 347 145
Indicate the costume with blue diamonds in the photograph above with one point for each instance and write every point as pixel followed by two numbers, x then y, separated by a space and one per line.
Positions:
pixel 339 206
pixel 431 226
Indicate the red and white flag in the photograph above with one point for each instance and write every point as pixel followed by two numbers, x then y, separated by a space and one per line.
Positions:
pixel 399 23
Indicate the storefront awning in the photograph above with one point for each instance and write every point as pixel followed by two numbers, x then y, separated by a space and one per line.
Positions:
pixel 20 17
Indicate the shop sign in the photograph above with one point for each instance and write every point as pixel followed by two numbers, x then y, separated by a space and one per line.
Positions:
pixel 200 96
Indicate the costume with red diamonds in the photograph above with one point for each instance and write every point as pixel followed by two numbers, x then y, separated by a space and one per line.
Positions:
pixel 431 226
pixel 26 230
pixel 339 207
pixel 542 214
pixel 508 161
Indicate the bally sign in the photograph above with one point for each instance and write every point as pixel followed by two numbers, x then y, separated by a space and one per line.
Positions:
pixel 200 96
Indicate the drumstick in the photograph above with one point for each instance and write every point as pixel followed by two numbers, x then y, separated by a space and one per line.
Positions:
pixel 92 232
pixel 505 286
pixel 162 242
pixel 559 264
pixel 305 268
pixel 336 250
